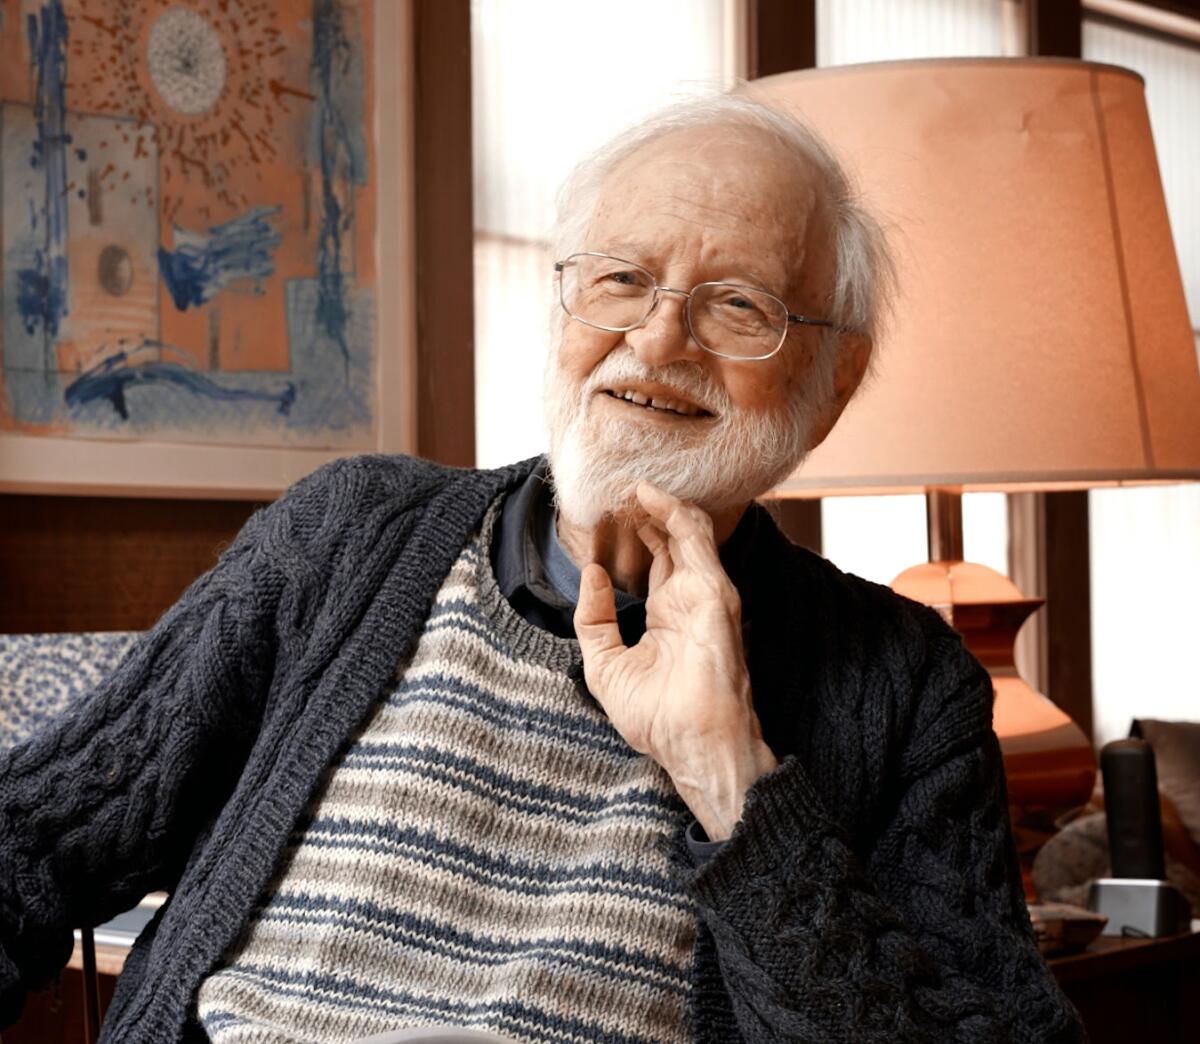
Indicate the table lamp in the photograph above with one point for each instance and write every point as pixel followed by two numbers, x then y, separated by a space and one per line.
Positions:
pixel 1040 340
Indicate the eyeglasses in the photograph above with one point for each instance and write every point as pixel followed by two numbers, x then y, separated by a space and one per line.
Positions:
pixel 725 319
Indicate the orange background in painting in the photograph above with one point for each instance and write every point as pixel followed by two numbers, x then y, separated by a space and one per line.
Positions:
pixel 249 149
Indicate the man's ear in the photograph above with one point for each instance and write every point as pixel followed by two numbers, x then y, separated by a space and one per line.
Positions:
pixel 854 352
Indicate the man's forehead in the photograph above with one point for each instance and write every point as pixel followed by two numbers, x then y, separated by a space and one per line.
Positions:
pixel 747 197
pixel 735 168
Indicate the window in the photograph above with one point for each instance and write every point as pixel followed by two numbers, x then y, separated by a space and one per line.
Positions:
pixel 546 90
pixel 882 30
pixel 1145 543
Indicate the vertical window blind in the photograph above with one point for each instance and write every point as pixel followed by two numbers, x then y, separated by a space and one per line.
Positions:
pixel 552 81
pixel 1145 543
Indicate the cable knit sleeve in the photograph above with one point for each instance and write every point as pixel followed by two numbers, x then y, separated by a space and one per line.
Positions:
pixel 925 938
pixel 102 805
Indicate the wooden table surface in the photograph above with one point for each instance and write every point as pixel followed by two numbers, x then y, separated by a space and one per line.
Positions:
pixel 1130 991
pixel 1110 955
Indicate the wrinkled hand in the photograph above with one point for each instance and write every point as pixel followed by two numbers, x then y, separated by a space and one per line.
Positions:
pixel 682 694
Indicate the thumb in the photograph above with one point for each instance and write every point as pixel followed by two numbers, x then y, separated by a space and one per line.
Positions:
pixel 596 617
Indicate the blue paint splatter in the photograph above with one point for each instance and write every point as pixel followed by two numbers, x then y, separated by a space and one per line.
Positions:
pixel 43 295
pixel 333 79
pixel 205 263
pixel 38 291
pixel 110 378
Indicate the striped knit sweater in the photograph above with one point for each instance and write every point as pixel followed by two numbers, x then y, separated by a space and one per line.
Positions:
pixel 869 893
pixel 487 853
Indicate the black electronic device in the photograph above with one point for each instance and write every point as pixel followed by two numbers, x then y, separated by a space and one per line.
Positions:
pixel 1131 807
pixel 1137 900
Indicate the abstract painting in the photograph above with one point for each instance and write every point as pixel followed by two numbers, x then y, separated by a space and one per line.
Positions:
pixel 187 221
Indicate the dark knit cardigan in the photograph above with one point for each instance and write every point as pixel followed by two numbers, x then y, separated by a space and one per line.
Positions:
pixel 870 892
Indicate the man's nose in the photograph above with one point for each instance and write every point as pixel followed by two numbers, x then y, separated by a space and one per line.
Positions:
pixel 664 337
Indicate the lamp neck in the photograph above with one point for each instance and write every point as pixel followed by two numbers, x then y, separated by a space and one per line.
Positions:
pixel 943 519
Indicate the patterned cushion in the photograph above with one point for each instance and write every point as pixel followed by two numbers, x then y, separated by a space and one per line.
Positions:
pixel 40 674
pixel 1177 762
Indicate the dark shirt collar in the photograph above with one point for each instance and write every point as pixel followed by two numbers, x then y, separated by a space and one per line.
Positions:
pixel 526 524
pixel 515 554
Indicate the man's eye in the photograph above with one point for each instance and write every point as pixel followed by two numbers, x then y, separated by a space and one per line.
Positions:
pixel 736 302
pixel 624 278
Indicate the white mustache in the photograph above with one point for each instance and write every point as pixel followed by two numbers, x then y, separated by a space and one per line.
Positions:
pixel 687 379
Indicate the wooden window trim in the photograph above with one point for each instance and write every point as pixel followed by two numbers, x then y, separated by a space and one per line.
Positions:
pixel 1053 28
pixel 1151 27
pixel 781 36
pixel 444 231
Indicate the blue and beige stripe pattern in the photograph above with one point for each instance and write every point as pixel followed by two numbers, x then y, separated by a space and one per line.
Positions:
pixel 488 853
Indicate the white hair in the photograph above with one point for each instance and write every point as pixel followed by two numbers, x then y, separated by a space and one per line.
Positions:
pixel 864 273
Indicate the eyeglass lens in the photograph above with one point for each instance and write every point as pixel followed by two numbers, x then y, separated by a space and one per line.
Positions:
pixel 725 318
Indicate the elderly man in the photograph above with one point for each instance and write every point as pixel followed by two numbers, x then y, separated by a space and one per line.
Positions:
pixel 574 750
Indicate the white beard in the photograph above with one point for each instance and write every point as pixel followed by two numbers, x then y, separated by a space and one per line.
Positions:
pixel 596 462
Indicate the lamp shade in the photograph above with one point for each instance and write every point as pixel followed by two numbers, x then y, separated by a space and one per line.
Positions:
pixel 1040 338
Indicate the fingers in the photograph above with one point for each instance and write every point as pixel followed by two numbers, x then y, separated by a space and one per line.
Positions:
pixel 652 537
pixel 596 618
pixel 662 567
pixel 688 527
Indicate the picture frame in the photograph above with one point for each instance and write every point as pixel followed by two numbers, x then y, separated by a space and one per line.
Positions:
pixel 240 463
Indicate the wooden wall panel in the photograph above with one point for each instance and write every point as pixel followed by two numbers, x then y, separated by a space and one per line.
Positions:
pixel 104 563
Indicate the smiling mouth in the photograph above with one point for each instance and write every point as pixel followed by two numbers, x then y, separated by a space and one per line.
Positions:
pixel 656 404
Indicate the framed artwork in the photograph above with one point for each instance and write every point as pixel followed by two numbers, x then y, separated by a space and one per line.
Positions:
pixel 190 218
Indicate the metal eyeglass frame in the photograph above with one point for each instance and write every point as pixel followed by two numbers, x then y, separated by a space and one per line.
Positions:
pixel 799 320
